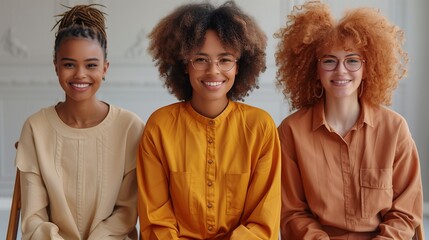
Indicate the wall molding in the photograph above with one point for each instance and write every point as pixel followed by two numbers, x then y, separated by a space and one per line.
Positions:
pixel 13 46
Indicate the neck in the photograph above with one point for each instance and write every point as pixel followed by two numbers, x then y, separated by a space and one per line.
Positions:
pixel 342 115
pixel 210 109
pixel 82 114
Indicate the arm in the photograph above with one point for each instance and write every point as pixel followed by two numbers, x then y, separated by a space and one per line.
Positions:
pixel 261 218
pixel 156 215
pixel 35 222
pixel 400 221
pixel 34 201
pixel 297 221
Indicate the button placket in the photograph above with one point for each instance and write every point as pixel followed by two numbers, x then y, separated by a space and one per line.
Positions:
pixel 210 177
pixel 347 175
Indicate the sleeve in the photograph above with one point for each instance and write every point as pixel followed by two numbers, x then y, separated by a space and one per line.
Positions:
pixel 121 223
pixel 261 215
pixel 156 215
pixel 400 221
pixel 34 197
pixel 297 221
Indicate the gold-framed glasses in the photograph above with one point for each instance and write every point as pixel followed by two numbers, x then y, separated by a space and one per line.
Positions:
pixel 330 63
pixel 202 63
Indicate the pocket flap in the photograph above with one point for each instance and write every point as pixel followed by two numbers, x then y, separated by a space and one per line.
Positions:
pixel 376 178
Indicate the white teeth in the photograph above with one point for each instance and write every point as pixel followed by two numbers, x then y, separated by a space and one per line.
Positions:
pixel 80 85
pixel 341 81
pixel 213 84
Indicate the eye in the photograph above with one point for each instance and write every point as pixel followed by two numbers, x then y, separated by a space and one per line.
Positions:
pixel 68 65
pixel 200 60
pixel 226 60
pixel 353 60
pixel 91 65
pixel 329 60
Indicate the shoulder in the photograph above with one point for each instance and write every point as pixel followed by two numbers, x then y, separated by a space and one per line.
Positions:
pixel 41 116
pixel 166 113
pixel 125 114
pixel 126 120
pixel 383 116
pixel 301 116
pixel 253 113
pixel 252 119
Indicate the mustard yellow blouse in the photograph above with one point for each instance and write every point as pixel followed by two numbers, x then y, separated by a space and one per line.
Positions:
pixel 202 178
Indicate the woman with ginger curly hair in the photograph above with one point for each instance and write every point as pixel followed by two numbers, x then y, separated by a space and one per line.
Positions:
pixel 350 168
pixel 209 167
pixel 77 158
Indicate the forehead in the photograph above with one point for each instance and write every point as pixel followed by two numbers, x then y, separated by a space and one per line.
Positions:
pixel 338 50
pixel 80 48
pixel 213 45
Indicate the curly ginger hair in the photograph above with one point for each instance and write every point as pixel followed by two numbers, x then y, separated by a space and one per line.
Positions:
pixel 311 28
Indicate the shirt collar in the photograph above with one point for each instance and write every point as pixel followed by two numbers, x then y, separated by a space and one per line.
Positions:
pixel 366 116
pixel 205 120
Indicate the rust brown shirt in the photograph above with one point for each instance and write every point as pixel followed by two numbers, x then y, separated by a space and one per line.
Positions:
pixel 357 187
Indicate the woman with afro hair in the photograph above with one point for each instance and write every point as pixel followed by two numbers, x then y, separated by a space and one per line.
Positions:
pixel 208 166
pixel 350 168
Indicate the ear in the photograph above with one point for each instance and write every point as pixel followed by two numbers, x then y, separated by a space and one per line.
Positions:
pixel 105 67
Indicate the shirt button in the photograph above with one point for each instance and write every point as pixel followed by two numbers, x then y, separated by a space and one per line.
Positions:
pixel 211 122
pixel 209 140
pixel 209 183
pixel 209 205
pixel 210 161
pixel 210 228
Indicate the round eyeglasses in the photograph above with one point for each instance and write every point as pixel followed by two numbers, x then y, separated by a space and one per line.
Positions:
pixel 352 64
pixel 202 63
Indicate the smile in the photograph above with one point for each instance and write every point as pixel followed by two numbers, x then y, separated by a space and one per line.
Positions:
pixel 80 85
pixel 213 84
pixel 340 82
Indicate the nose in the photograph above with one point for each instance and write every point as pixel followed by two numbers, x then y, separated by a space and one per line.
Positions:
pixel 213 67
pixel 80 73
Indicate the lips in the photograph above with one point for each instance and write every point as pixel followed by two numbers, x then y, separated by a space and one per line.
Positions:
pixel 80 85
pixel 340 82
pixel 213 84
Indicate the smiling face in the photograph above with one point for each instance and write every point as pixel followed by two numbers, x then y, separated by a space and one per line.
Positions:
pixel 339 82
pixel 212 84
pixel 80 67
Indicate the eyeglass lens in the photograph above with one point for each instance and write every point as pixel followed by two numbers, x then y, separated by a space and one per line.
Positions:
pixel 351 63
pixel 203 63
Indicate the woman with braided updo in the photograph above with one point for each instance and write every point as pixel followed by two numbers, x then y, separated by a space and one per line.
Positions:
pixel 208 166
pixel 350 167
pixel 77 157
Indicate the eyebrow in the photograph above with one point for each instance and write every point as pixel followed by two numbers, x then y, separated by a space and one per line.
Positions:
pixel 219 55
pixel 74 60
pixel 348 55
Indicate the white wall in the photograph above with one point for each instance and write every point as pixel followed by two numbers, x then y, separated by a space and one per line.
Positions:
pixel 28 82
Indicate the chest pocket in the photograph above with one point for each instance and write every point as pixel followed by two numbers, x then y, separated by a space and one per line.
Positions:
pixel 236 192
pixel 376 191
